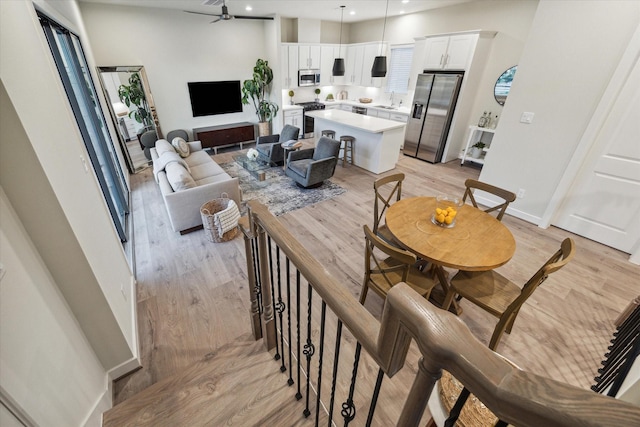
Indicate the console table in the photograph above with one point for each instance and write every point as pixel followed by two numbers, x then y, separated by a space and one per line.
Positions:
pixel 225 135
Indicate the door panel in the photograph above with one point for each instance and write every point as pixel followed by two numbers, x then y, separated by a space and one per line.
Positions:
pixel 604 202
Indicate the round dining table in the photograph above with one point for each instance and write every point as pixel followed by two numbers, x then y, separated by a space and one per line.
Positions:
pixel 476 242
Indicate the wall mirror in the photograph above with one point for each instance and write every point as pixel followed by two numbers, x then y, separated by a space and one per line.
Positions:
pixel 503 85
pixel 133 120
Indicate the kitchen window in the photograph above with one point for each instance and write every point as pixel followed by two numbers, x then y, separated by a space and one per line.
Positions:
pixel 81 92
pixel 399 68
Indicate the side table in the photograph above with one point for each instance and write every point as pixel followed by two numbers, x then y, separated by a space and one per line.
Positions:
pixel 286 147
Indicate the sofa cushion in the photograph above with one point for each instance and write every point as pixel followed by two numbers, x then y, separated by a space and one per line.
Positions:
pixel 181 146
pixel 163 146
pixel 222 177
pixel 204 170
pixel 198 158
pixel 300 167
pixel 178 177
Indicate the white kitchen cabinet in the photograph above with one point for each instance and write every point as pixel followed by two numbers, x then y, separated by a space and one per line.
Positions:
pixel 327 56
pixel 373 112
pixel 309 56
pixel 294 117
pixel 477 134
pixel 289 65
pixel 346 107
pixel 328 106
pixel 370 52
pixel 353 65
pixel 398 117
pixel 449 52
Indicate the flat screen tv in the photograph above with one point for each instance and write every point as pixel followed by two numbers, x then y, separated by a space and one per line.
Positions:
pixel 210 98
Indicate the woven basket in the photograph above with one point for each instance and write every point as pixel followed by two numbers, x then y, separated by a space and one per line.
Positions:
pixel 210 230
pixel 473 414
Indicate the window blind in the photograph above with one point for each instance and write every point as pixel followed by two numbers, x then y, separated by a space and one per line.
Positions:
pixel 399 68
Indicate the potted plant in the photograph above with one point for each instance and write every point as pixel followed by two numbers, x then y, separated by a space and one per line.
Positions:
pixel 317 92
pixel 291 93
pixel 133 94
pixel 476 149
pixel 257 89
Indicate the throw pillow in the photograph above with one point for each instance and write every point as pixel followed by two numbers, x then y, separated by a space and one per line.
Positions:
pixel 163 146
pixel 181 146
pixel 178 177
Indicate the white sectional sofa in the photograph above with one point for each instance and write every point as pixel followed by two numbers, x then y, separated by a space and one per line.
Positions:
pixel 186 183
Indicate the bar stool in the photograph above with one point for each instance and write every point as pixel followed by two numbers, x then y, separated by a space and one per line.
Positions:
pixel 329 133
pixel 347 149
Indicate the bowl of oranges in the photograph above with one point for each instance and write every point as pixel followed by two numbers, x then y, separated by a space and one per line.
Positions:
pixel 446 210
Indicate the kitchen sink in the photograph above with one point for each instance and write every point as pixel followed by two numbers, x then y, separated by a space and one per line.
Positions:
pixel 386 107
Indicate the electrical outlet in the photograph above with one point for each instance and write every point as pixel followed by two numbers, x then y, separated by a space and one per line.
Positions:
pixel 84 163
pixel 527 118
pixel 520 193
pixel 124 294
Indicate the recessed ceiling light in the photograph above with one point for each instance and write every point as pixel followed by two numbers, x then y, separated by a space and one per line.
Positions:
pixel 248 8
pixel 405 1
pixel 402 12
pixel 353 12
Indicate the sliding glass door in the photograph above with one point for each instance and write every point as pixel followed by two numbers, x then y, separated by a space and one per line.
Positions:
pixel 74 72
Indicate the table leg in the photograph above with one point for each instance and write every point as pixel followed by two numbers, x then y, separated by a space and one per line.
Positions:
pixel 444 284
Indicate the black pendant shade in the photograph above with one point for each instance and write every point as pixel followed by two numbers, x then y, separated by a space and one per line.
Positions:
pixel 379 68
pixel 338 67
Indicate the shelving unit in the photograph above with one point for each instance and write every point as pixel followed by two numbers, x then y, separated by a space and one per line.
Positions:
pixel 477 134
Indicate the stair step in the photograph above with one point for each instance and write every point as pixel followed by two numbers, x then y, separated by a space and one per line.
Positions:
pixel 238 384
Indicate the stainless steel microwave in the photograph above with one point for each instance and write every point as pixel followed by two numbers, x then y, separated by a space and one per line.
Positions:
pixel 308 77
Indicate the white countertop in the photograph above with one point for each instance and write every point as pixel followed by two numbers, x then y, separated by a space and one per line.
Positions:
pixel 286 107
pixel 373 105
pixel 358 121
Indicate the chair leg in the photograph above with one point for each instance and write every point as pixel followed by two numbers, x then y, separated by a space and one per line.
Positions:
pixel 363 294
pixel 448 299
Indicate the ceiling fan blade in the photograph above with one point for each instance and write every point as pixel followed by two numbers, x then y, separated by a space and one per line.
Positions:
pixel 213 22
pixel 202 13
pixel 268 18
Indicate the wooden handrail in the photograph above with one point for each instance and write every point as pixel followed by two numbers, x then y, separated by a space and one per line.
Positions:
pixel 445 342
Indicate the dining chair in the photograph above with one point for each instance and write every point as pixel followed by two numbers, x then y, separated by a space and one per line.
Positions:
pixel 505 195
pixel 501 297
pixel 387 265
pixel 388 189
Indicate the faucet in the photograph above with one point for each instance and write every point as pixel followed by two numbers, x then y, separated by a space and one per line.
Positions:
pixel 392 92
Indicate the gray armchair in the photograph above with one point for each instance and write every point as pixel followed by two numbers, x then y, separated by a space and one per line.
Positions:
pixel 148 141
pixel 309 168
pixel 178 132
pixel 269 148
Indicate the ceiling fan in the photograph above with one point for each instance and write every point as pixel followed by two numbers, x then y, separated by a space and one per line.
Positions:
pixel 225 16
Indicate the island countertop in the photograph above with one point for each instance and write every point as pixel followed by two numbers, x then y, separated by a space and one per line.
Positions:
pixel 357 121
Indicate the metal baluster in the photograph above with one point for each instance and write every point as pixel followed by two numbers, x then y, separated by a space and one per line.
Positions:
pixel 309 348
pixel 348 408
pixel 374 398
pixel 334 378
pixel 298 394
pixel 290 380
pixel 455 410
pixel 320 358
pixel 273 295
pixel 256 263
pixel 280 306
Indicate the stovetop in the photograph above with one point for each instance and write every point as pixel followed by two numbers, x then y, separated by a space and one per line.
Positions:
pixel 308 106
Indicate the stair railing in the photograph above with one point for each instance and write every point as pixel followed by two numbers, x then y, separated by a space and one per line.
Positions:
pixel 445 343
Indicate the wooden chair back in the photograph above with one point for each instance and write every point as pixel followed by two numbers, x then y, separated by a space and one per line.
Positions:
pixel 387 189
pixel 553 264
pixel 505 195
pixel 378 269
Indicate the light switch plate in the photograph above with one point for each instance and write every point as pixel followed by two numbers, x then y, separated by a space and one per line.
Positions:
pixel 527 118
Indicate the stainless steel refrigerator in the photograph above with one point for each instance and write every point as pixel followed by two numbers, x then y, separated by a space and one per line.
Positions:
pixel 433 105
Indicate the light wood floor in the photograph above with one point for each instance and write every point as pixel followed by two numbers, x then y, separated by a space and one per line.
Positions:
pixel 193 297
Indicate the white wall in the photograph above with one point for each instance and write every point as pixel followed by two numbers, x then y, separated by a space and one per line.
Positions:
pixel 64 214
pixel 572 51
pixel 176 48
pixel 46 362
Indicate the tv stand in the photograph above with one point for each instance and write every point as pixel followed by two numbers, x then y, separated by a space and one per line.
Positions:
pixel 225 135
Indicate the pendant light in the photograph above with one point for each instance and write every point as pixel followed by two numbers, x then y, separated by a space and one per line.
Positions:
pixel 379 68
pixel 338 63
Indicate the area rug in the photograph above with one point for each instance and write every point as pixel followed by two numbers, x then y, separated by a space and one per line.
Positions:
pixel 278 192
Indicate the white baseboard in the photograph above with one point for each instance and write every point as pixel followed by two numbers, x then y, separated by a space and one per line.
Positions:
pixel 510 210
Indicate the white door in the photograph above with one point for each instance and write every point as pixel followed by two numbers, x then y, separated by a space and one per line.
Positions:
pixel 604 201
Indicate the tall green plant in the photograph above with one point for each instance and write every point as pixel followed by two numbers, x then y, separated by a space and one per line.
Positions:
pixel 133 94
pixel 257 89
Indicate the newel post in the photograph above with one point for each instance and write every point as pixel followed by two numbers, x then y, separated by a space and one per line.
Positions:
pixel 419 394
pixel 248 231
pixel 268 321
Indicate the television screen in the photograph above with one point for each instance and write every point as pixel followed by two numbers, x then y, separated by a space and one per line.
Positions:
pixel 209 98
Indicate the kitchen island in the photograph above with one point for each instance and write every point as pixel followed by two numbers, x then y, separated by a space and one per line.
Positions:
pixel 378 141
